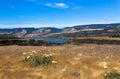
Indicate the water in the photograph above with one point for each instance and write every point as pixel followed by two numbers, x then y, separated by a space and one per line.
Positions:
pixel 50 40
pixel 53 40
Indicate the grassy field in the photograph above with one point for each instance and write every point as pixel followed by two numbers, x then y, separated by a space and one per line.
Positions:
pixel 87 61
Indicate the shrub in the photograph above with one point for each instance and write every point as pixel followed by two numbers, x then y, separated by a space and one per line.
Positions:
pixel 114 74
pixel 115 35
pixel 75 74
pixel 35 60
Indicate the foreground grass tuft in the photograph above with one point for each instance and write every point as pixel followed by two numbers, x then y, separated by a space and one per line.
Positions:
pixel 114 74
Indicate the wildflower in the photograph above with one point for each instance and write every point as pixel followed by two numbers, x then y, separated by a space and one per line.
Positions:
pixel 105 67
pixel 50 54
pixel 24 53
pixel 28 57
pixel 54 62
pixel 45 55
pixel 34 52
pixel 116 68
pixel 105 74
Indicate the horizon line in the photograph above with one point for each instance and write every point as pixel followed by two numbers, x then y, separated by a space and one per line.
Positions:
pixel 13 26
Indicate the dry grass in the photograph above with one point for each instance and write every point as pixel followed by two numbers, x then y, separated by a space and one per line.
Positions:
pixel 101 38
pixel 74 62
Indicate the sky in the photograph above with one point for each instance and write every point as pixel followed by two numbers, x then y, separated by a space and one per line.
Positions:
pixel 57 13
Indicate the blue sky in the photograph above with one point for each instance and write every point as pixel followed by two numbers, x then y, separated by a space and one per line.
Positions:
pixel 57 13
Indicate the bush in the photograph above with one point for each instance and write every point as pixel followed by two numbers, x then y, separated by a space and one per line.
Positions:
pixel 112 75
pixel 35 60
pixel 115 35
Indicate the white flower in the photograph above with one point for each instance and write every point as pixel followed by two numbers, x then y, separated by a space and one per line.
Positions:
pixel 105 67
pixel 116 68
pixel 28 57
pixel 24 53
pixel 105 74
pixel 54 62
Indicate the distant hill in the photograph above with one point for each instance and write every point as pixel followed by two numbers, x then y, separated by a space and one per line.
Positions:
pixel 67 32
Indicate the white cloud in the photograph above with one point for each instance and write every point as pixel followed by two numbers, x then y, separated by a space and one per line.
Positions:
pixel 57 5
pixel 62 5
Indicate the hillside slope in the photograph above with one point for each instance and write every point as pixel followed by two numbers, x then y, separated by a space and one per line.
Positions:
pixel 75 31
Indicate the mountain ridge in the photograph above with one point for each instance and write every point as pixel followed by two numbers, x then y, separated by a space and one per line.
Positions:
pixel 66 32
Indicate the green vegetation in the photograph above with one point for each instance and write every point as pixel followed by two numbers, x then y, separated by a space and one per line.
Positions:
pixel 116 35
pixel 25 42
pixel 8 37
pixel 35 60
pixel 114 74
pixel 77 41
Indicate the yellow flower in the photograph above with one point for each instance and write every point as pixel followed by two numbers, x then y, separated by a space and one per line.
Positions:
pixel 34 52
pixel 50 54
pixel 54 62
pixel 46 55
